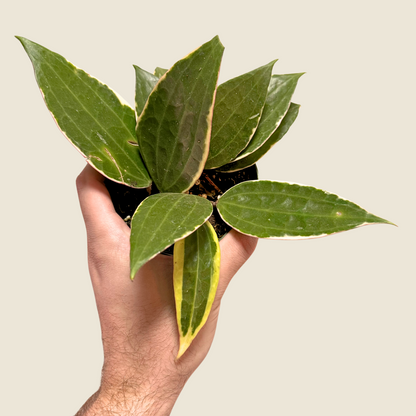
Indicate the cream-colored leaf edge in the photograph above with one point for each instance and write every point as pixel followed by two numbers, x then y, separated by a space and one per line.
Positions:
pixel 88 159
pixel 208 118
pixel 310 237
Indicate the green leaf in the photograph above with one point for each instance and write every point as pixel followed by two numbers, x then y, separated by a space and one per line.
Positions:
pixel 195 278
pixel 162 219
pixel 175 125
pixel 160 71
pixel 145 82
pixel 279 94
pixel 269 209
pixel 238 107
pixel 90 115
pixel 252 158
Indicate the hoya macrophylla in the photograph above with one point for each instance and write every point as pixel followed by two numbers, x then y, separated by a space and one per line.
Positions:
pixel 186 148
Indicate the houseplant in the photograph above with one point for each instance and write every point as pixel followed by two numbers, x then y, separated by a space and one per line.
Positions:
pixel 184 135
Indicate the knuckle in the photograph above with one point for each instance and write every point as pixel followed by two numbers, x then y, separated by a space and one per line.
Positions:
pixel 80 182
pixel 247 246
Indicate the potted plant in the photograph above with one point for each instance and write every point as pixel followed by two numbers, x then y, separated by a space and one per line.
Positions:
pixel 181 166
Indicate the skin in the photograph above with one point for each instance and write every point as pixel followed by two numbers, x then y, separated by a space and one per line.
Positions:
pixel 141 375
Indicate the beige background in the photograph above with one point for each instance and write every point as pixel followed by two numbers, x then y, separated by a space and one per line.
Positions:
pixel 323 327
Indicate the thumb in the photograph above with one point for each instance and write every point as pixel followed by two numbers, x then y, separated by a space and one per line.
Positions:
pixel 100 218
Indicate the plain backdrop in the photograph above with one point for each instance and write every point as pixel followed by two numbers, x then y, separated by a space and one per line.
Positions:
pixel 320 327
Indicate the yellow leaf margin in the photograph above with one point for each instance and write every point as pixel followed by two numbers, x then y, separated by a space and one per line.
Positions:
pixel 179 259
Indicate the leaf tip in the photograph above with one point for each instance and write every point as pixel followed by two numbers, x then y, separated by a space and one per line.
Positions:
pixel 378 220
pixel 22 40
pixel 184 344
pixel 216 42
pixel 383 221
pixel 133 271
pixel 216 38
pixel 271 64
pixel 298 75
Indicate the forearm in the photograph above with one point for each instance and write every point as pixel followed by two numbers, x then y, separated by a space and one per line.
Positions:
pixel 126 402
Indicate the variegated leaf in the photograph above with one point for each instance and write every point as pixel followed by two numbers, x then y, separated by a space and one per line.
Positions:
pixel 162 219
pixel 252 158
pixel 279 94
pixel 91 116
pixel 238 107
pixel 269 209
pixel 175 126
pixel 196 275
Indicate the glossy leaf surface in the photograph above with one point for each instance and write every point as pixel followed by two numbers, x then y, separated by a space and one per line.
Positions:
pixel 279 94
pixel 252 158
pixel 175 126
pixel 90 115
pixel 269 209
pixel 238 107
pixel 196 275
pixel 162 219
pixel 160 71
pixel 145 82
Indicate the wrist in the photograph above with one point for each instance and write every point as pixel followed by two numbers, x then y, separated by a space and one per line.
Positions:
pixel 129 398
pixel 140 400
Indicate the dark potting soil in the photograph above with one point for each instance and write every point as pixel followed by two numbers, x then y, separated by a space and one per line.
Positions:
pixel 210 185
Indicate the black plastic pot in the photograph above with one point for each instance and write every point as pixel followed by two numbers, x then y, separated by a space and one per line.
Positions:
pixel 210 185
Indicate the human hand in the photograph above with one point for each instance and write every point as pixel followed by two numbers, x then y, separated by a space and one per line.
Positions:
pixel 141 375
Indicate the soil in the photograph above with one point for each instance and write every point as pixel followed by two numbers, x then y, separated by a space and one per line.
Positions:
pixel 210 185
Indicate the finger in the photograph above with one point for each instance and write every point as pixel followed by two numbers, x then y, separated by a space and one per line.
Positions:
pixel 96 206
pixel 236 249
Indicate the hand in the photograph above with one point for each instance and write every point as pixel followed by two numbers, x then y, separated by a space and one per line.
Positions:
pixel 141 375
